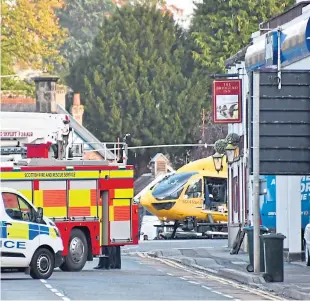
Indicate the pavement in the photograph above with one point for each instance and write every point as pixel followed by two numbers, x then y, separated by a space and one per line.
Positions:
pixel 141 278
pixel 217 260
pixel 177 273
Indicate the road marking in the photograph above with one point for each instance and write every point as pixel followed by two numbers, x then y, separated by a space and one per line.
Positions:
pixel 193 282
pixel 234 284
pixel 207 288
pixel 169 274
pixel 54 291
pixel 228 296
pixel 182 278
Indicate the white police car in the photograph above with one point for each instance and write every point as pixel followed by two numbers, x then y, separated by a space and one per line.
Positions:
pixel 28 240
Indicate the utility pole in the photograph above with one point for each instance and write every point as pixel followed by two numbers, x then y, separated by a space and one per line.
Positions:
pixel 203 124
pixel 256 207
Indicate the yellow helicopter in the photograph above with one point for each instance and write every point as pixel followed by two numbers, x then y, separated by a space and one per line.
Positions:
pixel 194 197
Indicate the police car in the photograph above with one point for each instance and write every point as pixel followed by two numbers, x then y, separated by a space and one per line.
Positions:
pixel 28 240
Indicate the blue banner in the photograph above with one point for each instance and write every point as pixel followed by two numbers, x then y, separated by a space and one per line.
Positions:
pixel 268 202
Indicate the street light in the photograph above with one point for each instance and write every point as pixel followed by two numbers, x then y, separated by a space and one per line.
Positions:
pixel 217 160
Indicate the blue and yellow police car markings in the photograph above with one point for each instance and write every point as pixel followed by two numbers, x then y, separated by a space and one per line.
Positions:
pixel 3 230
pixel 25 231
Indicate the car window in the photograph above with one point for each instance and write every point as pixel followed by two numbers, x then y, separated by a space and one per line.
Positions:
pixel 17 208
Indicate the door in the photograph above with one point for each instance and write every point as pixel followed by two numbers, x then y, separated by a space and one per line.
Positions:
pixel 20 233
pixel 194 193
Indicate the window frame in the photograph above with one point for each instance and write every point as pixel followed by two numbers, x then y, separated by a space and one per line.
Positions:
pixel 21 199
pixel 190 194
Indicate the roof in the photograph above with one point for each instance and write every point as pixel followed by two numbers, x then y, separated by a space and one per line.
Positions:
pixel 17 100
pixel 142 182
pixel 10 190
pixel 237 58
pixel 87 136
pixel 157 156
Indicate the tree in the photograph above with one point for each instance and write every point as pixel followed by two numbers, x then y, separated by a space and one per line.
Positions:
pixel 83 19
pixel 222 27
pixel 208 133
pixel 133 80
pixel 31 34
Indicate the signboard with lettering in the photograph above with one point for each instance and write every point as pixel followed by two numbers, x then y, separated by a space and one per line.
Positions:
pixel 227 101
pixel 268 201
pixel 15 134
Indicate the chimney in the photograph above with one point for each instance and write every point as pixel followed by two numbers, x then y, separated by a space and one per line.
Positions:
pixel 61 92
pixel 46 93
pixel 77 109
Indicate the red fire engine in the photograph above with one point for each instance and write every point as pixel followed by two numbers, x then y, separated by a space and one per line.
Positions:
pixel 91 202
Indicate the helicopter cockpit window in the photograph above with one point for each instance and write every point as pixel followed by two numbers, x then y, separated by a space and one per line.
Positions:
pixel 194 190
pixel 172 187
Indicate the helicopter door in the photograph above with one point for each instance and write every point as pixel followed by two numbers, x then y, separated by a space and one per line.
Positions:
pixel 194 192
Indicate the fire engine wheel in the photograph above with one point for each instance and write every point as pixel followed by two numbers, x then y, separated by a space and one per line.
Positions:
pixel 42 264
pixel 77 252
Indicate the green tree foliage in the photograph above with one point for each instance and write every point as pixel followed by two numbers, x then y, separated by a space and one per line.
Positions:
pixel 30 38
pixel 82 18
pixel 30 33
pixel 222 27
pixel 134 80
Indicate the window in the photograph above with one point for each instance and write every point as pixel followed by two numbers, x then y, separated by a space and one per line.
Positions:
pixel 194 190
pixel 171 188
pixel 17 208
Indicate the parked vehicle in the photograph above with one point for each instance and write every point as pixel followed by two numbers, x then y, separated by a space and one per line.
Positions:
pixel 91 202
pixel 29 241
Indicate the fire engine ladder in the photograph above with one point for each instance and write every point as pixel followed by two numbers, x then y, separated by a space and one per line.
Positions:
pixel 55 162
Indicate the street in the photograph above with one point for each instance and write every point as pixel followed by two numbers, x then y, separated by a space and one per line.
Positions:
pixel 141 278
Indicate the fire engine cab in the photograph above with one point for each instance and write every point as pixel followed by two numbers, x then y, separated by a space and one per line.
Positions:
pixel 91 202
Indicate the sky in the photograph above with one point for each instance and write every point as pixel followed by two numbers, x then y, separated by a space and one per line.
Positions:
pixel 187 5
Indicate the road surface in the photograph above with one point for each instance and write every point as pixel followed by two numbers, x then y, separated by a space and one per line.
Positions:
pixel 141 278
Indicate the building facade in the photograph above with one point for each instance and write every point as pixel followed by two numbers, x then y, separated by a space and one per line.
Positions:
pixel 285 208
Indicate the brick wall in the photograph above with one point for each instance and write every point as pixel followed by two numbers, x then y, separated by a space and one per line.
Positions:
pixel 17 104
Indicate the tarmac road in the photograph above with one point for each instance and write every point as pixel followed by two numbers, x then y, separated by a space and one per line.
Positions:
pixel 141 278
pixel 151 245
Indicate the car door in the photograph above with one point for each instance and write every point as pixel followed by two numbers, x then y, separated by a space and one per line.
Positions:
pixel 20 234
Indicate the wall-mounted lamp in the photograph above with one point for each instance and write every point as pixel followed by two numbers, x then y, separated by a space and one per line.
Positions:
pixel 217 160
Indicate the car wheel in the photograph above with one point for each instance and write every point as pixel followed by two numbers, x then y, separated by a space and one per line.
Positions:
pixel 307 255
pixel 42 264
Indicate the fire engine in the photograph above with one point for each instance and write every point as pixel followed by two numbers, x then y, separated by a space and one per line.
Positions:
pixel 91 202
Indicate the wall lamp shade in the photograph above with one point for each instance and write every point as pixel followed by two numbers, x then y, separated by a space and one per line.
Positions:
pixel 230 153
pixel 217 160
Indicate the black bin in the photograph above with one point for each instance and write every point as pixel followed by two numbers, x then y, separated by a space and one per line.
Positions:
pixel 274 262
pixel 250 233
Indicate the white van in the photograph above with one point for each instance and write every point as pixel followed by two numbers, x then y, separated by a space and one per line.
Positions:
pixel 28 240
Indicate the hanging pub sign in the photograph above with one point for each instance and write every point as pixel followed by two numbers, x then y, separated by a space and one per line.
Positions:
pixel 227 101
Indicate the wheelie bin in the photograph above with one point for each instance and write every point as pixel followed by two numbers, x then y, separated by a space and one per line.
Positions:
pixel 250 234
pixel 274 261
